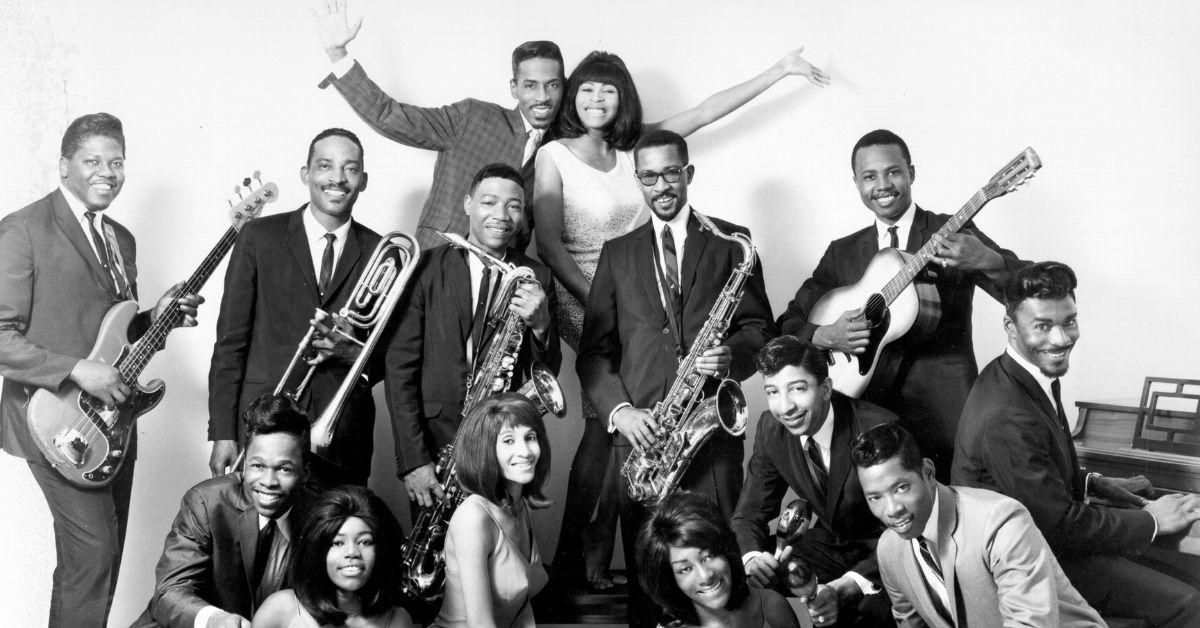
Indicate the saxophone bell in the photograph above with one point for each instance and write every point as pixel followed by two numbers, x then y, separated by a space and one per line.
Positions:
pixel 543 390
pixel 727 409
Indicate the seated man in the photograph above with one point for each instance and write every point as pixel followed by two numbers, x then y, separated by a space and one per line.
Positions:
pixel 954 555
pixel 228 548
pixel 1014 439
pixel 438 342
pixel 803 443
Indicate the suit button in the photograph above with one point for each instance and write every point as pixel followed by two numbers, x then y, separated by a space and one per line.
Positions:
pixel 666 330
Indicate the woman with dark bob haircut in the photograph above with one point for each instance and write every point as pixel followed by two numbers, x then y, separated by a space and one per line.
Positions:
pixel 493 566
pixel 343 571
pixel 586 193
pixel 689 564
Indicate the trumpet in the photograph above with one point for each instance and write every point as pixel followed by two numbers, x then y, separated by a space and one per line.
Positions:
pixel 369 306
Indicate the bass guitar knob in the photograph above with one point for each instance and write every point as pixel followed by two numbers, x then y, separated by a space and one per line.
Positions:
pixel 116 453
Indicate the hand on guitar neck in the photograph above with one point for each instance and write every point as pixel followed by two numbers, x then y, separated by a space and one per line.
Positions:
pixel 964 251
pixel 187 304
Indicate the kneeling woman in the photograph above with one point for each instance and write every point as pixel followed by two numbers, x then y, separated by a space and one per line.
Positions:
pixel 344 569
pixel 493 567
pixel 689 565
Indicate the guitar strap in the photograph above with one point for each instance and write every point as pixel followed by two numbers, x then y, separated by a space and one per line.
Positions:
pixel 675 324
pixel 118 261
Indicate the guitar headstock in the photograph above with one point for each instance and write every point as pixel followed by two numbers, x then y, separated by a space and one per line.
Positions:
pixel 250 205
pixel 1016 173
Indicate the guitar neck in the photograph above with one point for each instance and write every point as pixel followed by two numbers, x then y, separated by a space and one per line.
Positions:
pixel 155 337
pixel 918 261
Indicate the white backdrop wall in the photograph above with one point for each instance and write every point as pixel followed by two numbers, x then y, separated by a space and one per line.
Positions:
pixel 210 91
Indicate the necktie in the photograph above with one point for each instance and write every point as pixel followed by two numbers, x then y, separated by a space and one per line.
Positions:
pixel 479 320
pixel 104 254
pixel 266 538
pixel 895 242
pixel 1056 388
pixel 930 559
pixel 326 264
pixel 531 144
pixel 931 563
pixel 817 465
pixel 671 261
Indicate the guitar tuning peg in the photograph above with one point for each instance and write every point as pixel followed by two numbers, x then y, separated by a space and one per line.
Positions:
pixel 230 201
pixel 237 189
pixel 258 177
pixel 246 182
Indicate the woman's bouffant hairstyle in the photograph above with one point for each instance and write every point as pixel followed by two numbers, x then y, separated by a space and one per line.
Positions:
pixel 478 469
pixel 685 519
pixel 608 68
pixel 308 573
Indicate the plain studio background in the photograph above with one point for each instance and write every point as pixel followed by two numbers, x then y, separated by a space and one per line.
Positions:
pixel 211 91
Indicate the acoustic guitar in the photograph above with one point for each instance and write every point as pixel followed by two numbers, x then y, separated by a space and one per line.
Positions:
pixel 82 437
pixel 893 305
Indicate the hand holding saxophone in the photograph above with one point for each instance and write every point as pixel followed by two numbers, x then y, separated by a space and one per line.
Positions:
pixel 715 362
pixel 422 486
pixel 529 302
pixel 637 425
pixel 332 339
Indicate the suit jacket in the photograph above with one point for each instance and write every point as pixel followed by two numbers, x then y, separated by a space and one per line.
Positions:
pixel 427 368
pixel 208 557
pixel 270 295
pixel 53 295
pixel 467 135
pixel 948 353
pixel 845 524
pixel 998 569
pixel 627 352
pixel 1010 441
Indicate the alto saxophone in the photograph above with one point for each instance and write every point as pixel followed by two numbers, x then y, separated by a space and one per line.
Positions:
pixel 684 423
pixel 423 562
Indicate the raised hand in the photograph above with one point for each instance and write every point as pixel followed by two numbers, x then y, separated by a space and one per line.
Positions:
pixel 334 26
pixel 793 63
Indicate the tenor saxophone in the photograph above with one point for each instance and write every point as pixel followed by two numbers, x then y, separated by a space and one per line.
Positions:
pixel 686 422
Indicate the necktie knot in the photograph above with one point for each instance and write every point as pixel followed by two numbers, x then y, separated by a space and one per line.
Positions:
pixel 892 235
pixel 90 215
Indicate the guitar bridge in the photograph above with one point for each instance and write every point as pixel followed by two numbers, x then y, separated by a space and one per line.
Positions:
pixel 72 446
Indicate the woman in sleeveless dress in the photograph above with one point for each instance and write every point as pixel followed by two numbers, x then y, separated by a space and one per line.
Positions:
pixel 585 194
pixel 344 570
pixel 689 564
pixel 493 566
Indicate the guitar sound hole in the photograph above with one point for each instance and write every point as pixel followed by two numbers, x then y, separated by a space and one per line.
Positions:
pixel 874 310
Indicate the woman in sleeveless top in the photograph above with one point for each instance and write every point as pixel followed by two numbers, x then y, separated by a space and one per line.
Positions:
pixel 493 566
pixel 689 565
pixel 585 194
pixel 344 570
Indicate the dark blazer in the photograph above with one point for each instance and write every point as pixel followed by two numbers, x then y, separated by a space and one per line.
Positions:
pixel 208 557
pixel 426 361
pixel 844 522
pixel 270 295
pixel 467 136
pixel 53 295
pixel 998 569
pixel 1010 441
pixel 627 352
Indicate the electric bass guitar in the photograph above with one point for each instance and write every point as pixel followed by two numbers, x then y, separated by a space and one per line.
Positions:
pixel 893 305
pixel 82 437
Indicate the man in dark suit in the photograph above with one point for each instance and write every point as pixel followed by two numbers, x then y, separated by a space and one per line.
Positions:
pixel 956 556
pixel 443 334
pixel 63 264
pixel 803 443
pixel 467 135
pixel 924 382
pixel 282 268
pixel 644 312
pixel 1014 439
pixel 228 548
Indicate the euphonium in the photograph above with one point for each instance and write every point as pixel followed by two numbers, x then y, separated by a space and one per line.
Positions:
pixel 369 306
pixel 685 425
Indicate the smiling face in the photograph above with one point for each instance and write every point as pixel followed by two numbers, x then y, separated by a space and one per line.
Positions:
pixel 538 88
pixel 351 557
pixel 496 210
pixel 665 199
pixel 901 498
pixel 597 104
pixel 703 576
pixel 273 470
pixel 1044 332
pixel 334 177
pixel 884 180
pixel 797 400
pixel 517 452
pixel 95 173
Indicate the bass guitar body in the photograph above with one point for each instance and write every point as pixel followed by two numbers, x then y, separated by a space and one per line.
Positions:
pixel 84 439
pixel 915 311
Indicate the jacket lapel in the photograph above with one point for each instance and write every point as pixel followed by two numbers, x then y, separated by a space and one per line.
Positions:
pixel 351 251
pixel 74 234
pixel 919 233
pixel 948 545
pixel 248 539
pixel 923 597
pixel 693 251
pixel 839 450
pixel 458 280
pixel 298 243
pixel 643 266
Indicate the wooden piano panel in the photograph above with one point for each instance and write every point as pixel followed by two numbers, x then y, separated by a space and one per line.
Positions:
pixel 1104 440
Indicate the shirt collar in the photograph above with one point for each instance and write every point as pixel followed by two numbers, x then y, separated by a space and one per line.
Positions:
pixel 903 226
pixel 314 231
pixel 1043 380
pixel 528 125
pixel 283 523
pixel 76 205
pixel 678 223
pixel 824 436
pixel 931 525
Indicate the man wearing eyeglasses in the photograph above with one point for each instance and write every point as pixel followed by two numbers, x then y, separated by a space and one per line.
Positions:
pixel 652 294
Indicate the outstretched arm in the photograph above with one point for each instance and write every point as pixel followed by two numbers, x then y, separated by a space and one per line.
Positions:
pixel 334 26
pixel 726 101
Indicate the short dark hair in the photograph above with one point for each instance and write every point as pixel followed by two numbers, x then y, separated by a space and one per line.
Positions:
pixel 880 137
pixel 497 171
pixel 274 414
pixel 537 49
pixel 789 350
pixel 312 146
pixel 884 442
pixel 684 519
pixel 1043 280
pixel 603 67
pixel 662 137
pixel 91 125
pixel 309 575
pixel 475 449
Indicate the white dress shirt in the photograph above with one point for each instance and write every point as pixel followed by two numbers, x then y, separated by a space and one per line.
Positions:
pixel 903 227
pixel 314 233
